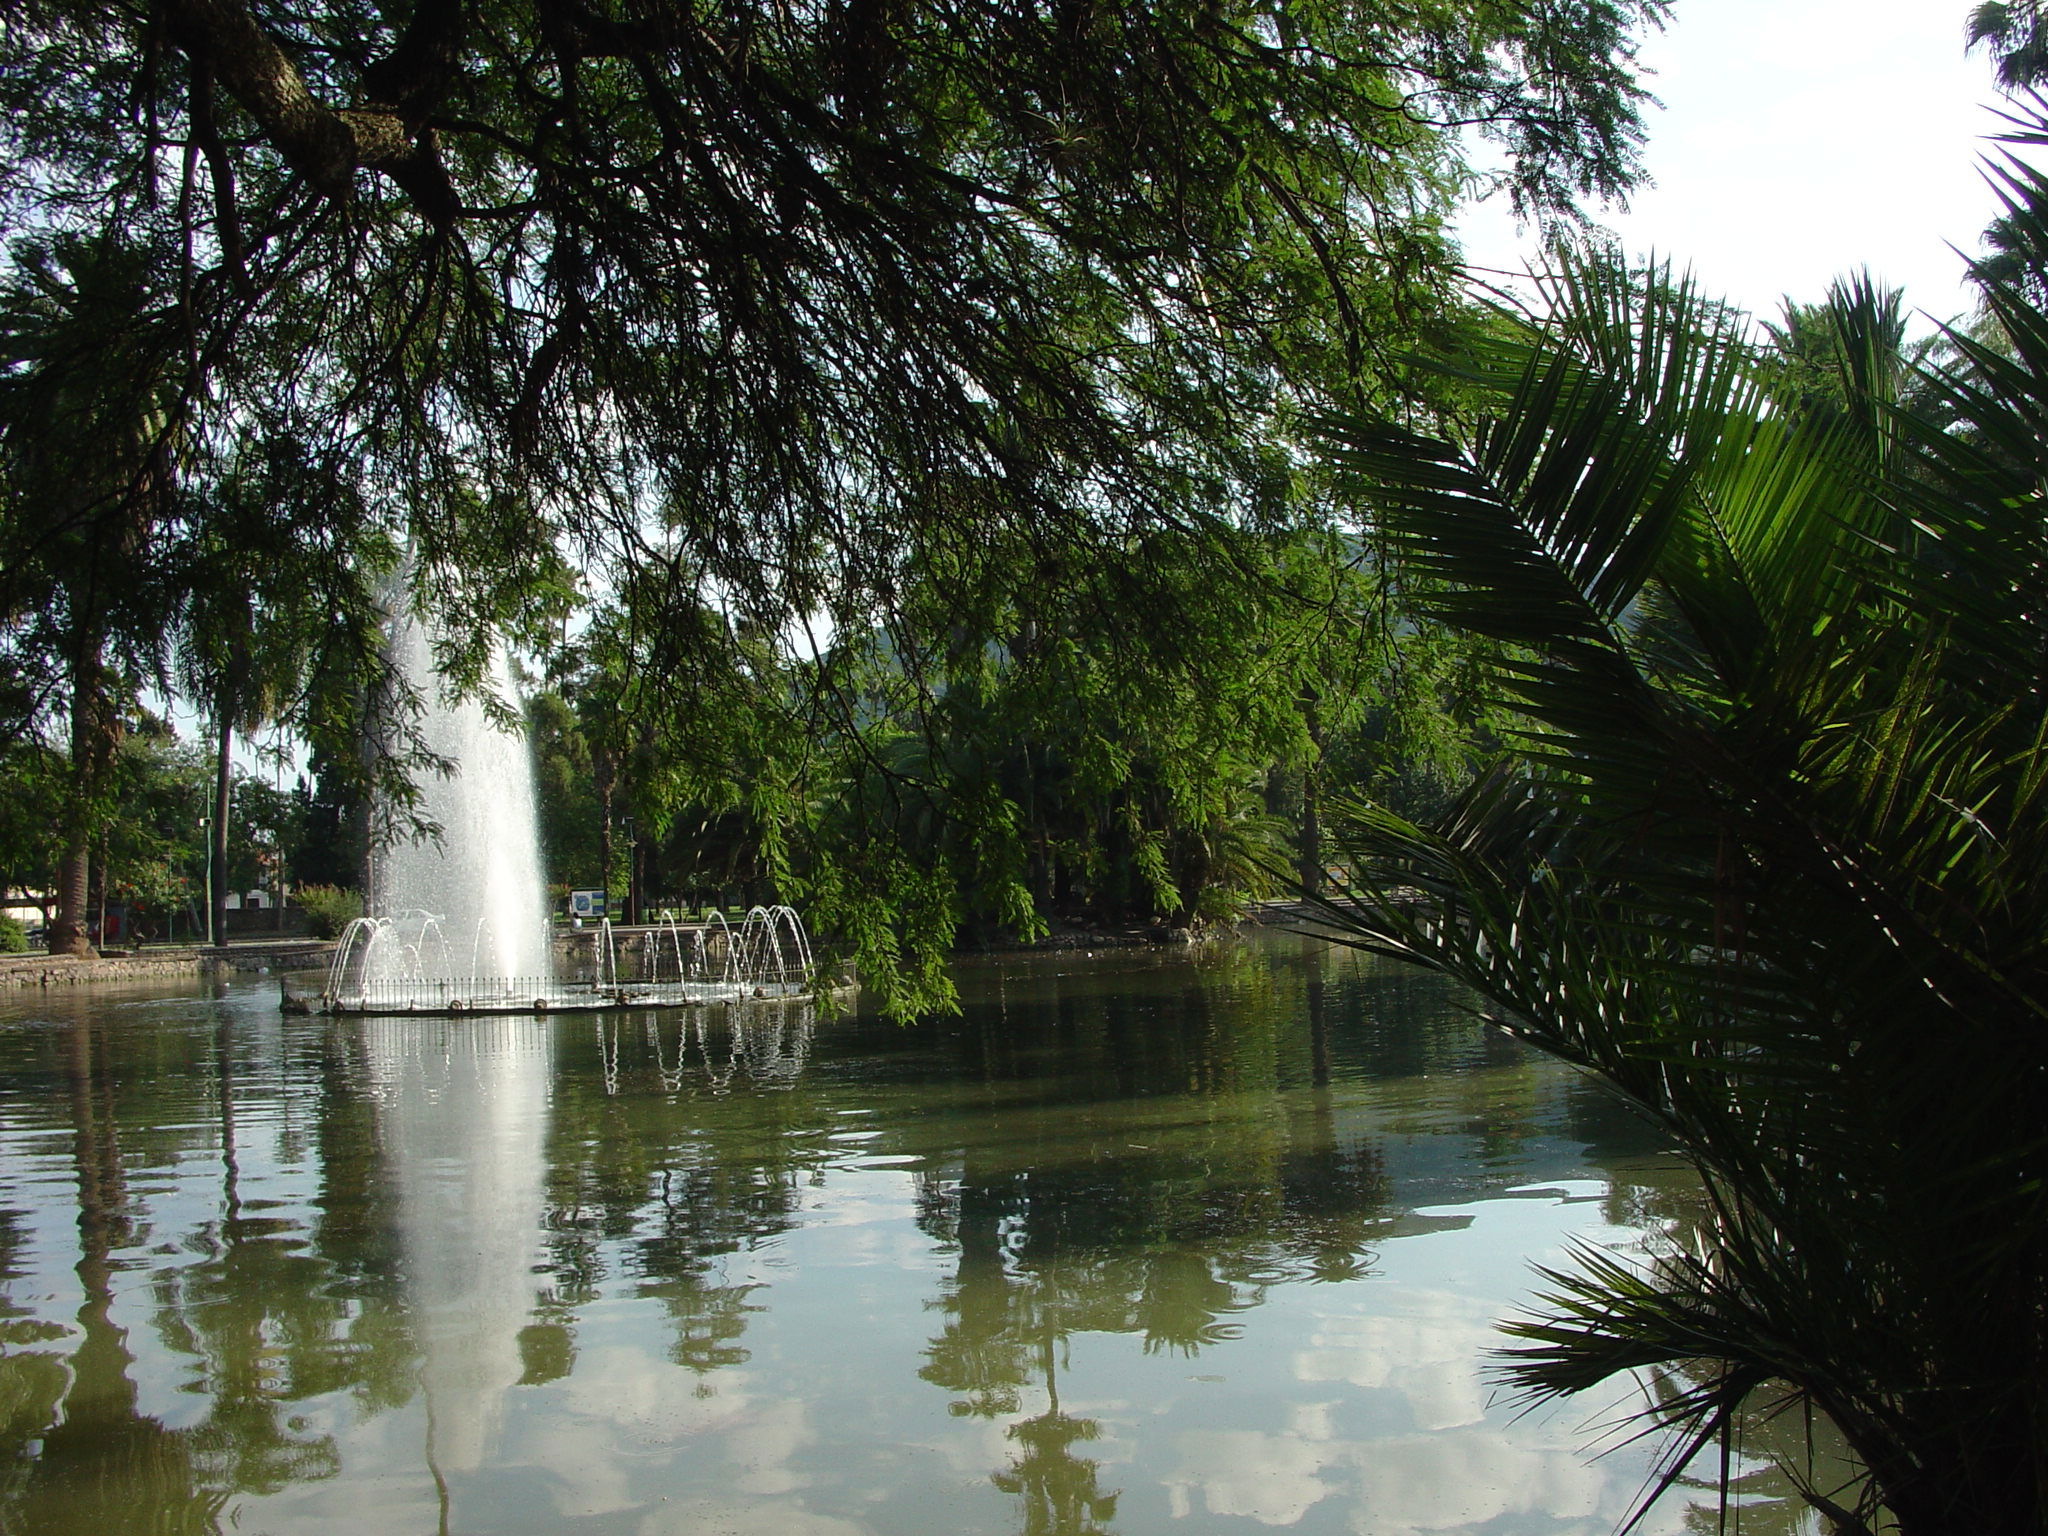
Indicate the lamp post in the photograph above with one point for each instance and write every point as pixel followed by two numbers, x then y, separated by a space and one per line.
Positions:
pixel 206 832
pixel 632 868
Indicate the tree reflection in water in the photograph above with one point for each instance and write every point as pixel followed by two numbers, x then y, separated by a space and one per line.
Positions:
pixel 1057 1487
pixel 303 1234
pixel 679 1195
pixel 1163 1245
pixel 100 1463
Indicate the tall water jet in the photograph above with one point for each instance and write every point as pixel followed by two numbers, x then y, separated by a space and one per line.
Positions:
pixel 474 896
pixel 458 921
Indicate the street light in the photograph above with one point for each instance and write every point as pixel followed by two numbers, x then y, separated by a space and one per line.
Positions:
pixel 206 832
pixel 632 869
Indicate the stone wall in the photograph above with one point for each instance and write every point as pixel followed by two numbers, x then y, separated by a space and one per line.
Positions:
pixel 35 970
pixel 19 971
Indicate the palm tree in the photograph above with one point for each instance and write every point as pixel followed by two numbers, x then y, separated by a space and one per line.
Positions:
pixel 2016 34
pixel 87 363
pixel 1770 854
pixel 278 573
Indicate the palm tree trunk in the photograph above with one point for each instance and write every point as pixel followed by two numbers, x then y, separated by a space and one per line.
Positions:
pixel 601 770
pixel 1310 849
pixel 92 744
pixel 67 935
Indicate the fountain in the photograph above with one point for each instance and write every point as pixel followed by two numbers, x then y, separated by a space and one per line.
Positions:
pixel 459 922
pixel 482 876
pixel 460 918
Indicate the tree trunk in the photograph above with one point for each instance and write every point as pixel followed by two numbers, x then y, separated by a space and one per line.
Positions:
pixel 67 934
pixel 1311 839
pixel 1310 869
pixel 92 748
pixel 601 770
pixel 223 801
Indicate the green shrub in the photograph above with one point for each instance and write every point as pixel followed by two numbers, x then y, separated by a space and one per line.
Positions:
pixel 329 909
pixel 13 937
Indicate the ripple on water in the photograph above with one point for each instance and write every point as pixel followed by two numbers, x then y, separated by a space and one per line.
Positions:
pixel 1132 1241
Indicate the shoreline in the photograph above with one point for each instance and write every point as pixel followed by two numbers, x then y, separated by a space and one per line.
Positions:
pixel 21 972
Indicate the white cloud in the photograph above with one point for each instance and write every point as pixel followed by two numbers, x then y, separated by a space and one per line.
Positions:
pixel 1458 1468
pixel 651 1399
pixel 1273 1479
pixel 1403 1486
pixel 750 1519
pixel 1801 139
pixel 1430 1351
pixel 1446 1482
pixel 764 1449
pixel 622 1410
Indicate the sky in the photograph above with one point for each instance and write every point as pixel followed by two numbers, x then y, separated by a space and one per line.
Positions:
pixel 1800 139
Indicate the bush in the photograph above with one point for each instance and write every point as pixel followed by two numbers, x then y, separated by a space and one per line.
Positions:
pixel 329 909
pixel 13 937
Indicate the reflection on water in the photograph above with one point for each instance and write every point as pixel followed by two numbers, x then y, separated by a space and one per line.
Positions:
pixel 758 1044
pixel 1139 1239
pixel 461 1119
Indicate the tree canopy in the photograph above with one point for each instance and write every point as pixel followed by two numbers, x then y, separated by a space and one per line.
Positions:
pixel 781 285
pixel 763 315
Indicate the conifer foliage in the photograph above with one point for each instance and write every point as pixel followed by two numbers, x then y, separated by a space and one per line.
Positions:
pixel 784 286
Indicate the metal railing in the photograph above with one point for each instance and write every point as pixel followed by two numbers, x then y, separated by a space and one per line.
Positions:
pixel 381 968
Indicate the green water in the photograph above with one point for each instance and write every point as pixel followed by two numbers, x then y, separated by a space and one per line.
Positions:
pixel 1142 1243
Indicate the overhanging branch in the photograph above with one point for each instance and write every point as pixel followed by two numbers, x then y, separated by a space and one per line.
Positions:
pixel 327 145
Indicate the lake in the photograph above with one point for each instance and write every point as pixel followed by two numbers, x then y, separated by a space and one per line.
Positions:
pixel 1144 1241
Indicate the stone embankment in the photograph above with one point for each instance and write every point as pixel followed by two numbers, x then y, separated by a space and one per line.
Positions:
pixel 1288 912
pixel 1091 939
pixel 22 971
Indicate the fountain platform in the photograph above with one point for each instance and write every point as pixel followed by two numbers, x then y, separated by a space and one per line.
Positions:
pixel 448 999
pixel 404 964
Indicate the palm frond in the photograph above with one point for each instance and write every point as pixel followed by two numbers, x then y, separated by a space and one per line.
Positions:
pixel 1768 855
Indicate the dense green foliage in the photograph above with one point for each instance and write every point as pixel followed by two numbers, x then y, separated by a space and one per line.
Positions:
pixel 1767 855
pixel 329 909
pixel 121 571
pixel 2016 34
pixel 774 315
pixel 1127 746
pixel 149 852
pixel 799 283
pixel 86 445
pixel 571 816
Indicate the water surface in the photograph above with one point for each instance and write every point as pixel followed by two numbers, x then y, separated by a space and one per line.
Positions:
pixel 1141 1243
